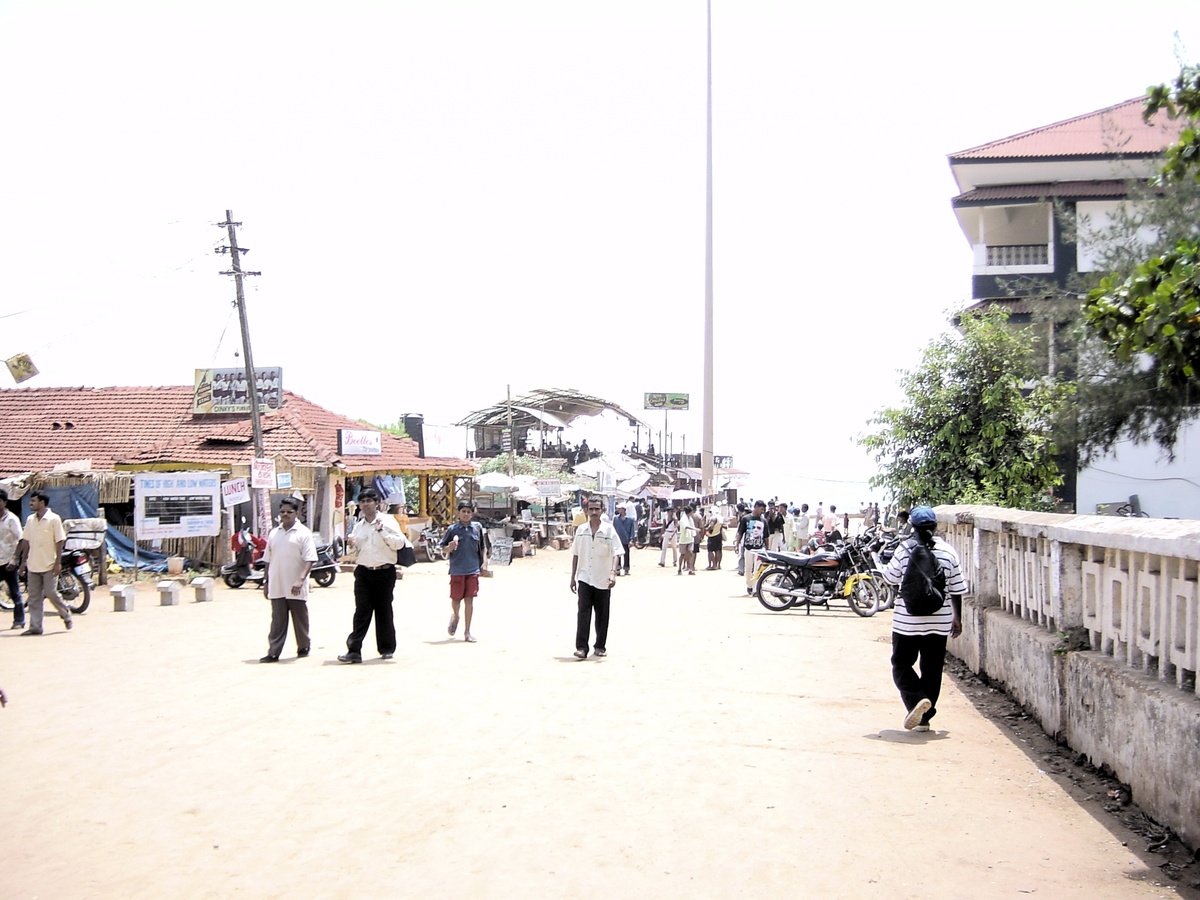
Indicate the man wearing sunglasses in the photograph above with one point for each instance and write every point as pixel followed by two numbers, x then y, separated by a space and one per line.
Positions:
pixel 595 560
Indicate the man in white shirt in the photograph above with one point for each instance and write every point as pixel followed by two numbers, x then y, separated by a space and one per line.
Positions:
pixel 288 558
pixel 41 559
pixel 377 538
pixel 595 560
pixel 10 542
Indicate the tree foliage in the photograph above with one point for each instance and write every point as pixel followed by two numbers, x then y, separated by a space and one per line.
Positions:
pixel 976 427
pixel 1145 316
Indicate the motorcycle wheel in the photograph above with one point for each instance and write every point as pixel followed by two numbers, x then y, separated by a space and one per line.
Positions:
pixel 324 578
pixel 74 591
pixel 779 579
pixel 233 580
pixel 863 596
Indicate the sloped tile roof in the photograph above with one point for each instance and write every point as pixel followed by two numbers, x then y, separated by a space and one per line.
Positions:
pixel 1113 131
pixel 1073 190
pixel 41 428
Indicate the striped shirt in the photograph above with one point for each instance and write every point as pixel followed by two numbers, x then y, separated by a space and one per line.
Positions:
pixel 940 621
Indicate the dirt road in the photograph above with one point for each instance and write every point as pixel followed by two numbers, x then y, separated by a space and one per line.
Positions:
pixel 720 750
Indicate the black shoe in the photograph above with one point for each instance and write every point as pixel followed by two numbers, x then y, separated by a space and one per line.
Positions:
pixel 581 654
pixel 600 652
pixel 70 623
pixel 302 652
pixel 385 656
pixel 29 631
pixel 269 658
pixel 350 658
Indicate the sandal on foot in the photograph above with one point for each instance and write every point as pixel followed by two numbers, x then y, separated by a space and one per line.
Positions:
pixel 453 626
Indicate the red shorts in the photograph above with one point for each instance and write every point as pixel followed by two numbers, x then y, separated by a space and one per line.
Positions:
pixel 464 587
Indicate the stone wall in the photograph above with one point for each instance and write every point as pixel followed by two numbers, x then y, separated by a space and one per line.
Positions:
pixel 1125 588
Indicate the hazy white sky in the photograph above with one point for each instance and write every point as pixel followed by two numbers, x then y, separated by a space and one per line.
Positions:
pixel 445 198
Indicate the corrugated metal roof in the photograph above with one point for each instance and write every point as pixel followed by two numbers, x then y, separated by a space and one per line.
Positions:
pixel 142 425
pixel 1113 131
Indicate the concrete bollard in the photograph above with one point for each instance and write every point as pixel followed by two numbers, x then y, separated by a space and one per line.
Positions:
pixel 123 596
pixel 203 588
pixel 168 593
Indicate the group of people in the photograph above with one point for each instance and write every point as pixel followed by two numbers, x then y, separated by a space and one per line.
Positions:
pixel 684 530
pixel 378 540
pixel 35 552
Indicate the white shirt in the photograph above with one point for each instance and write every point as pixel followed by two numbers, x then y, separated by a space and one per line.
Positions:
pixel 377 547
pixel 597 554
pixel 10 537
pixel 287 552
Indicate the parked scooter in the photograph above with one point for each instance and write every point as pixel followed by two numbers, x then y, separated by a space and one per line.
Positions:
pixel 248 567
pixel 325 569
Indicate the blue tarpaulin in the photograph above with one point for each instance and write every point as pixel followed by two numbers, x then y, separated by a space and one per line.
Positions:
pixel 82 501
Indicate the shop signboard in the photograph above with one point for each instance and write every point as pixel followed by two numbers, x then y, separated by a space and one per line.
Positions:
pixel 262 473
pixel 667 401
pixel 352 442
pixel 227 391
pixel 548 487
pixel 176 505
pixel 235 491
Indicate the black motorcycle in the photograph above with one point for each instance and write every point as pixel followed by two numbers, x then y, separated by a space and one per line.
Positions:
pixel 247 569
pixel 74 583
pixel 795 579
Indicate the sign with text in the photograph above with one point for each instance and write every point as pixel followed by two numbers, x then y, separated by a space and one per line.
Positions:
pixel 262 473
pixel 235 491
pixel 667 401
pixel 283 480
pixel 176 505
pixel 228 391
pixel 502 551
pixel 359 443
pixel 548 487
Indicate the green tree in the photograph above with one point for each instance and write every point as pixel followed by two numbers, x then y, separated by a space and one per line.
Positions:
pixel 1145 317
pixel 976 427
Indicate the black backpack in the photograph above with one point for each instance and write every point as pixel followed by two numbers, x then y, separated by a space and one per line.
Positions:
pixel 924 584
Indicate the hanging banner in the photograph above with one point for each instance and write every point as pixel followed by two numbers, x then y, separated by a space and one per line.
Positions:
pixel 21 367
pixel 235 491
pixel 262 473
pixel 227 391
pixel 176 505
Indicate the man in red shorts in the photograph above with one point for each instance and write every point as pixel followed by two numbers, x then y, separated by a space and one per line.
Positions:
pixel 467 559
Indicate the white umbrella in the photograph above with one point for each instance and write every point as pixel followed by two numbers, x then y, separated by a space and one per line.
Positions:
pixel 683 495
pixel 496 482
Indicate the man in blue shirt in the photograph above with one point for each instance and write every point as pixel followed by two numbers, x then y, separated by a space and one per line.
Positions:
pixel 626 526
pixel 467 559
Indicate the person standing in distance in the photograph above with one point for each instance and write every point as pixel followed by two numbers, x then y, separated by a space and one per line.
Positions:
pixel 626 526
pixel 41 561
pixel 377 538
pixel 924 637
pixel 467 559
pixel 10 544
pixel 288 559
pixel 595 561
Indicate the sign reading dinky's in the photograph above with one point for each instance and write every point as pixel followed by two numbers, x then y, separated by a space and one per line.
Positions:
pixel 228 391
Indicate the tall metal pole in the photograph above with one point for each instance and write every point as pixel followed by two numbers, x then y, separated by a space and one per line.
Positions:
pixel 252 390
pixel 706 450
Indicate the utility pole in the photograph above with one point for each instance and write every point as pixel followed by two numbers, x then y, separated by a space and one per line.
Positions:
pixel 235 252
pixel 706 445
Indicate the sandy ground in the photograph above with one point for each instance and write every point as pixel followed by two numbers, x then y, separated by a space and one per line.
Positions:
pixel 719 751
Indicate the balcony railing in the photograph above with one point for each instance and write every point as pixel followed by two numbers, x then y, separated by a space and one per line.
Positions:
pixel 1018 255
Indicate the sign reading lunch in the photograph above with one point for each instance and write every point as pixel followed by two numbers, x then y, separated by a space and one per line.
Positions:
pixel 667 401
pixel 359 443
pixel 176 505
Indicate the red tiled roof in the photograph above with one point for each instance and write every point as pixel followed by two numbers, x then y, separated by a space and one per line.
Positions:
pixel 44 427
pixel 1069 189
pixel 1113 131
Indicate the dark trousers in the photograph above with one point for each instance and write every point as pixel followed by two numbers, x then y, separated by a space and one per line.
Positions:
pixel 931 650
pixel 9 575
pixel 373 597
pixel 592 597
pixel 281 607
pixel 627 559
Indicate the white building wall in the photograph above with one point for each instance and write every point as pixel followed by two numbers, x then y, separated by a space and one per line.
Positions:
pixel 1096 216
pixel 1166 489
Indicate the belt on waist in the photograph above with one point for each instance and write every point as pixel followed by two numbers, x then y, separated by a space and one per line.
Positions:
pixel 377 568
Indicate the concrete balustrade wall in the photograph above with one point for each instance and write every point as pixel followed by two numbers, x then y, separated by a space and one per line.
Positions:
pixel 1125 592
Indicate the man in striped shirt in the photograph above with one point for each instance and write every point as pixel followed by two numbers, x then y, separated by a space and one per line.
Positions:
pixel 923 637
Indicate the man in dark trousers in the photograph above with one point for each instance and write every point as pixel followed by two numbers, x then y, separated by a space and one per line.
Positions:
pixel 595 561
pixel 626 526
pixel 289 557
pixel 923 637
pixel 376 537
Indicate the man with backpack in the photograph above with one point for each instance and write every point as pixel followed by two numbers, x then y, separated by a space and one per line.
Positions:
pixel 928 611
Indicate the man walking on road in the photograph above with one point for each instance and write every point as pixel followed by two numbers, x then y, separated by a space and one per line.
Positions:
pixel 467 559
pixel 288 558
pixel 626 526
pixel 923 637
pixel 752 535
pixel 595 561
pixel 377 538
pixel 10 544
pixel 41 560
